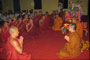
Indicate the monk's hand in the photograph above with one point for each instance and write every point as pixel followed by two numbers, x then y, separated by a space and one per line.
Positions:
pixel 21 39
pixel 67 38
pixel 27 30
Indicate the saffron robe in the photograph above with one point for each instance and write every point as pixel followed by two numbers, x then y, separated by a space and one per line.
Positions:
pixel 72 48
pixel 79 29
pixel 57 24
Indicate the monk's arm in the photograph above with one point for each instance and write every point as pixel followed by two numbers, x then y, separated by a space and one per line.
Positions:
pixel 17 47
pixel 73 41
pixel 31 26
pixel 27 27
pixel 71 44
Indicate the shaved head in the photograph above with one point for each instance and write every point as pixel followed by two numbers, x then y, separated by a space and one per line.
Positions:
pixel 73 25
pixel 12 29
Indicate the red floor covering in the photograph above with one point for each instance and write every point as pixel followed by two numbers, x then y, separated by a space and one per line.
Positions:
pixel 47 45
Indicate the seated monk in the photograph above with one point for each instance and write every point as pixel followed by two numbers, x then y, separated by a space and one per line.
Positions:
pixel 25 19
pixel 79 28
pixel 73 46
pixel 41 23
pixel 29 25
pixel 36 19
pixel 9 22
pixel 57 23
pixel 30 28
pixel 14 46
pixel 19 22
pixel 5 30
pixel 67 16
pixel 14 22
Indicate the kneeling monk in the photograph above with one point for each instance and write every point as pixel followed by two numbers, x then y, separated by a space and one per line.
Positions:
pixel 73 46
pixel 57 23
pixel 14 46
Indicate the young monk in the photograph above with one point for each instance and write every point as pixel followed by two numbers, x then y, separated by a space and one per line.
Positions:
pixel 14 22
pixel 44 22
pixel 35 18
pixel 23 25
pixel 9 22
pixel 57 23
pixel 79 25
pixel 25 19
pixel 5 30
pixel 29 25
pixel 73 46
pixel 41 23
pixel 31 29
pixel 48 21
pixel 19 22
pixel 14 46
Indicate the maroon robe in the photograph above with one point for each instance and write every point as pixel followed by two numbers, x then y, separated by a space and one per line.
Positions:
pixel 46 24
pixel 11 52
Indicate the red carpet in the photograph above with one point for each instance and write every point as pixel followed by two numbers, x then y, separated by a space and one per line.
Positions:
pixel 47 45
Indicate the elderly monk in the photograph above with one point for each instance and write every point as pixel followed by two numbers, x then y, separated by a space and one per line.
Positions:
pixel 57 23
pixel 79 28
pixel 73 46
pixel 14 46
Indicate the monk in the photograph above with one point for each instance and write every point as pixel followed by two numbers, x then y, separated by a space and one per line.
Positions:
pixel 4 34
pixel 41 23
pixel 19 22
pixel 9 22
pixel 79 25
pixel 14 22
pixel 31 29
pixel 25 19
pixel 29 25
pixel 48 21
pixel 5 30
pixel 57 23
pixel 35 18
pixel 73 46
pixel 67 16
pixel 14 46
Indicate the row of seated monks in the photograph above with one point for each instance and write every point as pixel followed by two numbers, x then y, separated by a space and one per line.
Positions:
pixel 13 43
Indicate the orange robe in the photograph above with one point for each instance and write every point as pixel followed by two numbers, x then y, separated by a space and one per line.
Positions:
pixel 67 15
pixel 71 48
pixel 57 24
pixel 79 29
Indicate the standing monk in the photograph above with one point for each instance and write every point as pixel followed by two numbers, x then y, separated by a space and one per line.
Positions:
pixel 73 46
pixel 79 28
pixel 57 23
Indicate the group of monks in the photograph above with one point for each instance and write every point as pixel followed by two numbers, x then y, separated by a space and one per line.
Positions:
pixel 32 26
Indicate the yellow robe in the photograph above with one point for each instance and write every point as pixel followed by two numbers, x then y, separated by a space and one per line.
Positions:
pixel 79 29
pixel 57 24
pixel 71 48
